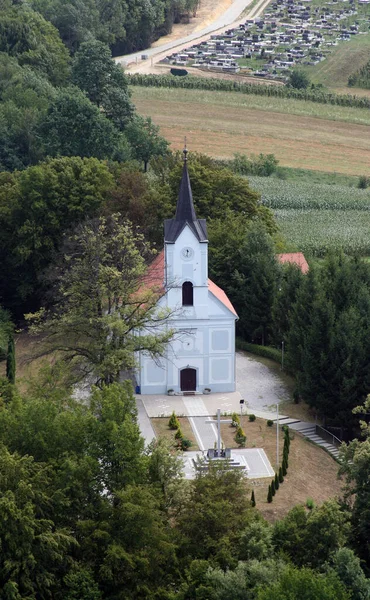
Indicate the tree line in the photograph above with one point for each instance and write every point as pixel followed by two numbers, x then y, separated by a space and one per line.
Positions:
pixel 274 91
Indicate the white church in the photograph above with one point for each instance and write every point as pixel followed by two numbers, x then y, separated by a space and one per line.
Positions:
pixel 202 356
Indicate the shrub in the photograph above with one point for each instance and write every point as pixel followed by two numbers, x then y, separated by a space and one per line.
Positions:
pixel 240 437
pixel 269 495
pixel 310 504
pixel 281 476
pixel 265 351
pixel 253 499
pixel 173 423
pixel 276 481
pixel 363 182
pixel 235 420
pixel 178 434
pixel 185 444
pixel 178 72
pixel 270 423
pixel 284 467
pixel 252 418
pixel 273 491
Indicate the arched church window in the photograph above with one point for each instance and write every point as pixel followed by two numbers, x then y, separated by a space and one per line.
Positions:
pixel 187 294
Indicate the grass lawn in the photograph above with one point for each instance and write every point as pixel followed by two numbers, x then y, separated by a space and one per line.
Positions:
pixel 160 426
pixel 312 472
pixel 345 59
pixel 318 137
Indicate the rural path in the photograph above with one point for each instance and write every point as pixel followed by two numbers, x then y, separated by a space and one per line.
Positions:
pixel 230 18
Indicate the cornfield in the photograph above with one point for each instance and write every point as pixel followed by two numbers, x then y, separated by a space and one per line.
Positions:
pixel 315 218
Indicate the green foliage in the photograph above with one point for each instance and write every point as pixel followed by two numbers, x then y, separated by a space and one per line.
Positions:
pixel 269 423
pixel 363 182
pixel 178 434
pixel 251 418
pixel 144 139
pixel 346 565
pixel 256 541
pixel 101 304
pixel 253 499
pixel 309 539
pixel 10 361
pixel 262 165
pixel 253 283
pixel 178 72
pixel 235 420
pixel 281 476
pixel 36 207
pixel 265 351
pixel 310 504
pixel 213 519
pixel 273 490
pixel 298 79
pixel 304 584
pixel 240 437
pixel 185 444
pixel 173 423
pixel 73 126
pixel 360 78
pixel 269 495
pixel 26 35
pixel 201 83
pixel 328 334
pixel 276 482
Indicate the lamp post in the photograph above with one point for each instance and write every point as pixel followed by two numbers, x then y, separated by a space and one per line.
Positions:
pixel 277 437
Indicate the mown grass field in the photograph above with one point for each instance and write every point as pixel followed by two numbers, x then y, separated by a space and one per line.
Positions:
pixel 344 60
pixel 314 218
pixel 300 134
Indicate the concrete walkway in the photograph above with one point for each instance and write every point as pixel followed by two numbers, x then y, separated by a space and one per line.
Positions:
pixel 144 423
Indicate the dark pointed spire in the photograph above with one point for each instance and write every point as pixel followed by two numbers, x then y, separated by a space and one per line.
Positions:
pixel 185 211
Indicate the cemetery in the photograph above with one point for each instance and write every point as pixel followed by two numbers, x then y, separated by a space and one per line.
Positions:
pixel 291 33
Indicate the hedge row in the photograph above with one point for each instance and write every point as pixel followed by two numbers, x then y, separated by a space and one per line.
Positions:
pixel 277 91
pixel 266 351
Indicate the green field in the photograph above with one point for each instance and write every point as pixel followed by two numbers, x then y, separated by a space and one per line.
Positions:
pixel 347 58
pixel 315 218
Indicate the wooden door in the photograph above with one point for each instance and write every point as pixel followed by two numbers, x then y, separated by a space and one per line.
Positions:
pixel 188 380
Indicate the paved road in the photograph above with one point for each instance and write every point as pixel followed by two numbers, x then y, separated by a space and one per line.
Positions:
pixel 231 17
pixel 258 385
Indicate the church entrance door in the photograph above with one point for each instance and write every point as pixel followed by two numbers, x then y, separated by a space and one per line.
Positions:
pixel 188 380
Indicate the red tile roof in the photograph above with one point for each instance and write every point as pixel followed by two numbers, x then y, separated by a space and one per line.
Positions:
pixel 154 278
pixel 295 258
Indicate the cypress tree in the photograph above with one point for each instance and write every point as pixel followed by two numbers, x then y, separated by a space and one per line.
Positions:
pixel 284 468
pixel 273 491
pixel 276 482
pixel 253 499
pixel 281 476
pixel 269 495
pixel 10 361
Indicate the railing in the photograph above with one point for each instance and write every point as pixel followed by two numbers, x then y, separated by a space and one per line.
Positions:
pixel 327 436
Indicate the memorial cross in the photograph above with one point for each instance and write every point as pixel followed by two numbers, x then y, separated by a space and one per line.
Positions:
pixel 218 421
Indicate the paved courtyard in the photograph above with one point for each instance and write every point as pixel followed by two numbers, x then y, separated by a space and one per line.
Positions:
pixel 255 461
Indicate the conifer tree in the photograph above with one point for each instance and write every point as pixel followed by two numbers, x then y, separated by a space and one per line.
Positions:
pixel 269 495
pixel 10 361
pixel 273 491
pixel 276 481
pixel 253 499
pixel 281 476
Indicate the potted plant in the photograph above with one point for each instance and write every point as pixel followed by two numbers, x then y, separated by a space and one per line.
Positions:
pixel 171 392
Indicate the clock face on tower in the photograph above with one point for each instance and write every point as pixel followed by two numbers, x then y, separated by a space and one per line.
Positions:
pixel 187 253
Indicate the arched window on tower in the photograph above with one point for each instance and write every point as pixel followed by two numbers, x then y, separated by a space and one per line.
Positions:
pixel 187 294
